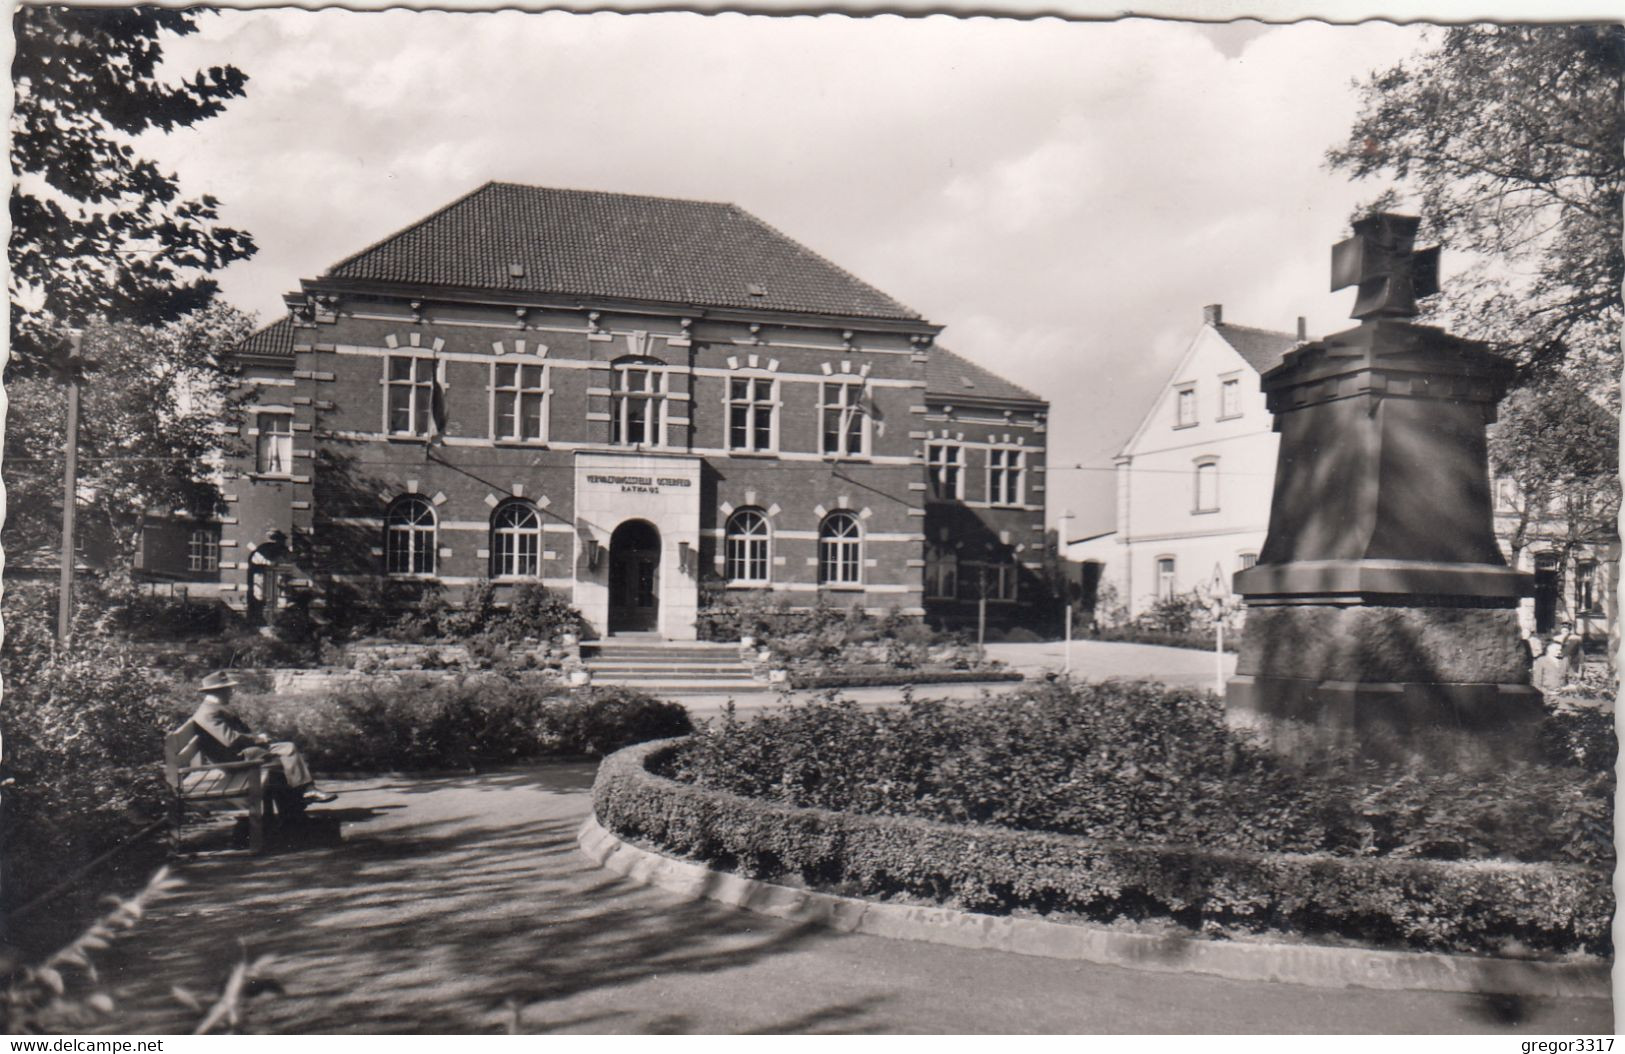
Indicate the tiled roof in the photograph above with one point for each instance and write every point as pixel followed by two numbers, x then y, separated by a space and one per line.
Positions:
pixel 951 376
pixel 275 340
pixel 1262 348
pixel 522 239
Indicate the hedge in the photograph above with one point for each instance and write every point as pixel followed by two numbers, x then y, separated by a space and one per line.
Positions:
pixel 481 719
pixel 1479 907
pixel 884 678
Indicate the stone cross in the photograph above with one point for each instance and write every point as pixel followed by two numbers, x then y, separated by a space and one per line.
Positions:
pixel 1379 259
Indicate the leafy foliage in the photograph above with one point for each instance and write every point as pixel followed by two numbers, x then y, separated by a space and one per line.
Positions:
pixel 473 721
pixel 98 232
pixel 84 733
pixel 1562 450
pixel 42 992
pixel 1456 906
pixel 1143 763
pixel 1509 137
pixel 419 611
pixel 148 422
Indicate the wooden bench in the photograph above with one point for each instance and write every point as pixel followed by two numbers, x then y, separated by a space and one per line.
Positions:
pixel 235 783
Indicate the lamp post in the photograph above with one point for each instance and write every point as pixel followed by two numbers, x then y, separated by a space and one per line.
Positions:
pixel 70 487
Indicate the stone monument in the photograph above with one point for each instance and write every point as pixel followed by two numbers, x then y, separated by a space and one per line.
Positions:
pixel 1381 611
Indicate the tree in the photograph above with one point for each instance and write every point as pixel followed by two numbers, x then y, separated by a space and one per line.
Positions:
pixel 1509 139
pixel 150 419
pixel 1561 448
pixel 98 232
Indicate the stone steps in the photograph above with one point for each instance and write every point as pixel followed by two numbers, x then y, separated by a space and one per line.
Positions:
pixel 670 668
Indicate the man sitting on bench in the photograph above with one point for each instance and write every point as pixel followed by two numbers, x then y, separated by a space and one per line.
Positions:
pixel 227 738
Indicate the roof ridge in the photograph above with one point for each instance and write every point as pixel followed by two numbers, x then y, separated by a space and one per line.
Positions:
pixel 606 193
pixel 821 258
pixel 436 214
pixel 1256 329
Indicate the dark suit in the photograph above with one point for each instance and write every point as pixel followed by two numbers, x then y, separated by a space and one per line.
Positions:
pixel 227 738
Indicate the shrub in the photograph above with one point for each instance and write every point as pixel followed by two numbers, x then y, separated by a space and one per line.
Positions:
pixel 474 720
pixel 536 611
pixel 1144 763
pixel 1471 907
pixel 850 678
pixel 83 741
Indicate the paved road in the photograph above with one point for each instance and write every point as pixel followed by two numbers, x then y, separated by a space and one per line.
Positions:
pixel 462 904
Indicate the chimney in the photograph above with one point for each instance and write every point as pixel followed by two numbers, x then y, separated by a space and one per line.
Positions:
pixel 1213 314
pixel 1303 328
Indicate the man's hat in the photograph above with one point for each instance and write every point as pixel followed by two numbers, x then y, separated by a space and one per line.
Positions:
pixel 218 679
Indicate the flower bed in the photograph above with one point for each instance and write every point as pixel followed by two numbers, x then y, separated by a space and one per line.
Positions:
pixel 881 676
pixel 1442 905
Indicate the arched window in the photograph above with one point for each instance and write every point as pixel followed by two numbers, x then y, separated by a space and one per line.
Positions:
pixel 409 537
pixel 516 540
pixel 745 547
pixel 840 550
pixel 1206 496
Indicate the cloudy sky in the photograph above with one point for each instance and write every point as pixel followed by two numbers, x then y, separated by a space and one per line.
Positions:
pixel 1064 197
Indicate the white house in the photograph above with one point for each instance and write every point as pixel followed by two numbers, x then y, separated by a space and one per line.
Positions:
pixel 1194 480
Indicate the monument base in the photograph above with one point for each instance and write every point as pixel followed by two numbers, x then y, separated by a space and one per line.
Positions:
pixel 1334 642
pixel 1390 682
pixel 1451 722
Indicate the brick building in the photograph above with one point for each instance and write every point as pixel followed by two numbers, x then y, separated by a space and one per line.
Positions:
pixel 636 400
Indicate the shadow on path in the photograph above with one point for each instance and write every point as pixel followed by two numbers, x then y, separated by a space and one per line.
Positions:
pixel 429 919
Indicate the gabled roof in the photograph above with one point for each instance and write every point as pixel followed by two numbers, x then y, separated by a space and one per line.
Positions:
pixel 524 239
pixel 950 376
pixel 1262 348
pixel 274 341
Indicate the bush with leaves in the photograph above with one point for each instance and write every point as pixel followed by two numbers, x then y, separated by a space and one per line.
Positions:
pixel 479 719
pixel 1143 763
pixel 83 741
pixel 1464 906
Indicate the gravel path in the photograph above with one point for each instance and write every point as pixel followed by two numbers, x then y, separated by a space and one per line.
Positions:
pixel 463 905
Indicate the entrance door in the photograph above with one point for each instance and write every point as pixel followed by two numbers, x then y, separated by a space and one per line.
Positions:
pixel 1547 580
pixel 634 577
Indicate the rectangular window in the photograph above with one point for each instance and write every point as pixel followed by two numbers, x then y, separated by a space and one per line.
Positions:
pixel 1004 470
pixel 1207 487
pixel 410 394
pixel 845 421
pixel 1248 560
pixel 1506 494
pixel 750 414
pixel 203 550
pixel 1230 398
pixel 1585 588
pixel 1185 407
pixel 941 573
pixel 993 579
pixel 520 401
pixel 1165 578
pixel 274 450
pixel 637 405
pixel 945 462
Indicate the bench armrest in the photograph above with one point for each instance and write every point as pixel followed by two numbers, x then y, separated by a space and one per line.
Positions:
pixel 226 766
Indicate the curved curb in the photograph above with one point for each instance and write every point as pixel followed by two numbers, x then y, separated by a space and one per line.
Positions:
pixel 1315 965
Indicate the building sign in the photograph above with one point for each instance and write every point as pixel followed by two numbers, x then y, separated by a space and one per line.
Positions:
pixel 639 484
